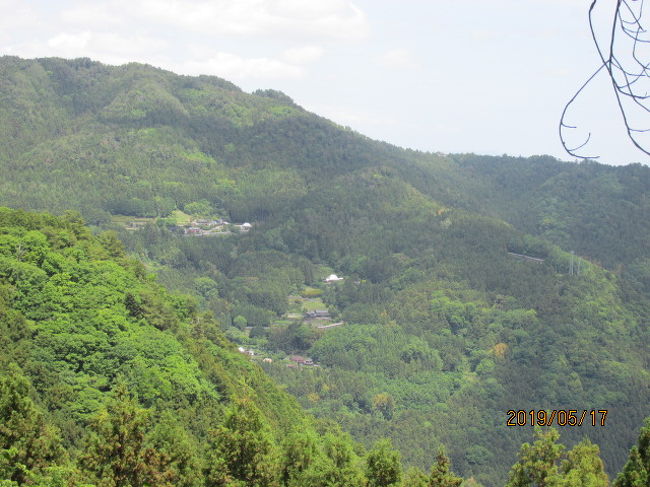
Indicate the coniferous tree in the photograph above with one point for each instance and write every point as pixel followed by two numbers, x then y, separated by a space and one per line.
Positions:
pixel 118 455
pixel 298 454
pixel 178 450
pixel 336 468
pixel 583 467
pixel 537 465
pixel 27 443
pixel 242 450
pixel 441 474
pixel 636 472
pixel 415 477
pixel 383 465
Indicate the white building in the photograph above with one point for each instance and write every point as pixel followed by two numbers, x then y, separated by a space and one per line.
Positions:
pixel 333 278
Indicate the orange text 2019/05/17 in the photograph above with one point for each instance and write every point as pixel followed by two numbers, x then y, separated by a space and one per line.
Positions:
pixel 557 417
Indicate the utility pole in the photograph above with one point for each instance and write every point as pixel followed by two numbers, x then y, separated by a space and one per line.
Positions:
pixel 571 265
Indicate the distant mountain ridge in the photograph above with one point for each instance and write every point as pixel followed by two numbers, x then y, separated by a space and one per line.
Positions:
pixel 73 102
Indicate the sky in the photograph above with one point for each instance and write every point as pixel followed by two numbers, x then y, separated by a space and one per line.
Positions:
pixel 482 76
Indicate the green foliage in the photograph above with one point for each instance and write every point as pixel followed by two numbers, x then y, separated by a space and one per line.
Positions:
pixel 75 315
pixel 538 463
pixel 299 452
pixel 199 208
pixel 179 452
pixel 636 472
pixel 414 477
pixel 336 467
pixel 240 322
pixel 28 444
pixel 117 455
pixel 583 467
pixel 543 464
pixel 441 474
pixel 311 292
pixel 242 449
pixel 575 206
pixel 146 100
pixel 383 465
pixel 293 338
pixel 384 404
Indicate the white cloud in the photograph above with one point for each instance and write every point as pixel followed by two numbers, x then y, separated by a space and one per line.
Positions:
pixel 166 32
pixel 302 55
pixel 69 42
pixel 108 48
pixel 398 59
pixel 330 19
pixel 199 59
pixel 233 67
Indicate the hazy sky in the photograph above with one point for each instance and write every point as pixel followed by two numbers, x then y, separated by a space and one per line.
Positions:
pixel 484 76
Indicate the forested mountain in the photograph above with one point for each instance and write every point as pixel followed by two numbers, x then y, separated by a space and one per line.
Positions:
pixel 597 210
pixel 461 299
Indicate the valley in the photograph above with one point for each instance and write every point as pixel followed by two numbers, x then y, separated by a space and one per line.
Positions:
pixel 460 286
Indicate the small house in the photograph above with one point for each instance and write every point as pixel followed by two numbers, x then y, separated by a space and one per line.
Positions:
pixel 300 360
pixel 319 313
pixel 246 351
pixel 333 278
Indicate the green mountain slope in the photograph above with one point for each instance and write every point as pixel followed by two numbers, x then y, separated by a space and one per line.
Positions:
pixel 445 327
pixel 597 210
pixel 107 379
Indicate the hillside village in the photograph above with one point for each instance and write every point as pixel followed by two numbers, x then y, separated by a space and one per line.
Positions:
pixel 306 308
pixel 207 228
pixel 186 225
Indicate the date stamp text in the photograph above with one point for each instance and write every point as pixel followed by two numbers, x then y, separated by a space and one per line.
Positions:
pixel 557 417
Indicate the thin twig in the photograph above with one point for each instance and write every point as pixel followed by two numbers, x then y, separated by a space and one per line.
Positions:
pixel 627 81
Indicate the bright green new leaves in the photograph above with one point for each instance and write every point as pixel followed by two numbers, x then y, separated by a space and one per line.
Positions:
pixel 544 464
pixel 583 467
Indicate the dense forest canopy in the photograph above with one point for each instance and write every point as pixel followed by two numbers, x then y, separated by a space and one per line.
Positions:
pixel 471 286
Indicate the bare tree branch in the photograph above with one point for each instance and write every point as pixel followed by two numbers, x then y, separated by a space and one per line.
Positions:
pixel 626 68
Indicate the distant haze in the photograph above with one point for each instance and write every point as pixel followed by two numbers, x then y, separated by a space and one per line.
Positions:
pixel 480 76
